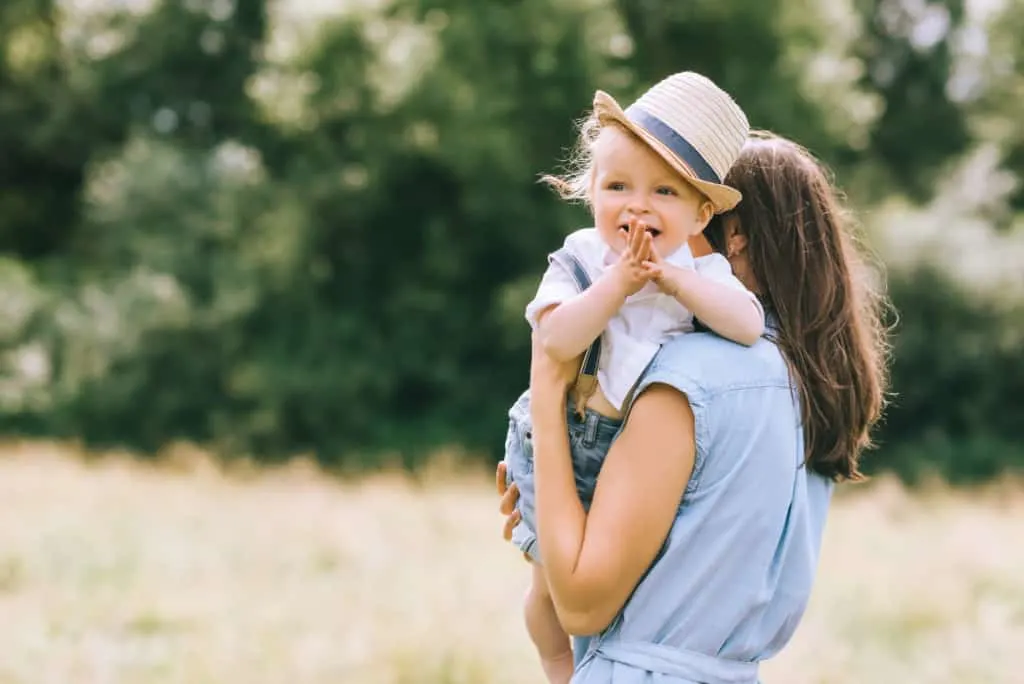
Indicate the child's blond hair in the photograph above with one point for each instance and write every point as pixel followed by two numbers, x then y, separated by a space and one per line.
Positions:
pixel 575 184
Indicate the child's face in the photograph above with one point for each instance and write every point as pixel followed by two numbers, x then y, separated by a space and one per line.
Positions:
pixel 630 179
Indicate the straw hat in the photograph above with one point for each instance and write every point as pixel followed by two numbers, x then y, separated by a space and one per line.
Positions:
pixel 693 124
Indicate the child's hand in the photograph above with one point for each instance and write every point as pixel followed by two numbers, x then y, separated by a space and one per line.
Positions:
pixel 664 274
pixel 632 270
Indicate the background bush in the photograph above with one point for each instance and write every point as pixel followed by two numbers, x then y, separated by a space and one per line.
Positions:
pixel 274 231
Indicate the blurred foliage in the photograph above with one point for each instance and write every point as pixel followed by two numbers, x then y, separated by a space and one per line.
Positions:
pixel 958 382
pixel 223 223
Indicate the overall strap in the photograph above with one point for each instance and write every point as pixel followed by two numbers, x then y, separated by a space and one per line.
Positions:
pixel 586 380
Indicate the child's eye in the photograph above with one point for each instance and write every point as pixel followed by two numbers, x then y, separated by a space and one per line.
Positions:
pixel 616 185
pixel 666 190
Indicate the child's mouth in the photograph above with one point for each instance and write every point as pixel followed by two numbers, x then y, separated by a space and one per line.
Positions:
pixel 654 232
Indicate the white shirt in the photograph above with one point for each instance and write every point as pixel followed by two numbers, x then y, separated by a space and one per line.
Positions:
pixel 645 321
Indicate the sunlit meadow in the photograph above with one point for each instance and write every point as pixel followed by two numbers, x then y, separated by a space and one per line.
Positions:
pixel 111 571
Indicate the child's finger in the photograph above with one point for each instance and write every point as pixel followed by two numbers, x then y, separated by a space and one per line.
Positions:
pixel 643 246
pixel 634 226
pixel 655 256
pixel 637 243
pixel 635 229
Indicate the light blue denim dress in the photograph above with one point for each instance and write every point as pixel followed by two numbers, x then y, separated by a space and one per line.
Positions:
pixel 735 574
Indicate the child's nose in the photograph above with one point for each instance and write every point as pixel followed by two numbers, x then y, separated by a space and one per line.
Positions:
pixel 637 205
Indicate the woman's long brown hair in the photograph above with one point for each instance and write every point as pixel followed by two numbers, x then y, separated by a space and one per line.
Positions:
pixel 824 299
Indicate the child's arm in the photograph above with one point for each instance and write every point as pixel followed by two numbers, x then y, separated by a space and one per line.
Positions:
pixel 732 312
pixel 566 330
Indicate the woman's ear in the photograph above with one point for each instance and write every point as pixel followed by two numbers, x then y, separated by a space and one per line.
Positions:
pixel 735 240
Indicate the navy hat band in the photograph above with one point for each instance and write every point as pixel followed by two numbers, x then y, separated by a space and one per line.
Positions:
pixel 679 145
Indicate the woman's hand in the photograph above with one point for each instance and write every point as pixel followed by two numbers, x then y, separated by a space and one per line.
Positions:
pixel 509 496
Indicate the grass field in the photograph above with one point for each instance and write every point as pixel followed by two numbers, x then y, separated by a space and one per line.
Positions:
pixel 114 572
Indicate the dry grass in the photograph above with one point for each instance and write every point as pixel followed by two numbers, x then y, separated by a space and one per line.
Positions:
pixel 116 572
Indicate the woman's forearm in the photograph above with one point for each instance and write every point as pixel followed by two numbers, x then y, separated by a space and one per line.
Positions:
pixel 593 561
pixel 559 512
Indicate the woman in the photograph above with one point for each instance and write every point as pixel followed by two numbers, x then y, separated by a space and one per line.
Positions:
pixel 697 556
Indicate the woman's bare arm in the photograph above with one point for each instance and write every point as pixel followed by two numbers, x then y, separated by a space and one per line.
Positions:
pixel 593 562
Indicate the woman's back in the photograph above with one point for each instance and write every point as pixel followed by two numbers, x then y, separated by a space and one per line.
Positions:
pixel 735 574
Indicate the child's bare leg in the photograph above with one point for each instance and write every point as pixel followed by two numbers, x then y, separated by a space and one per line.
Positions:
pixel 546 631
